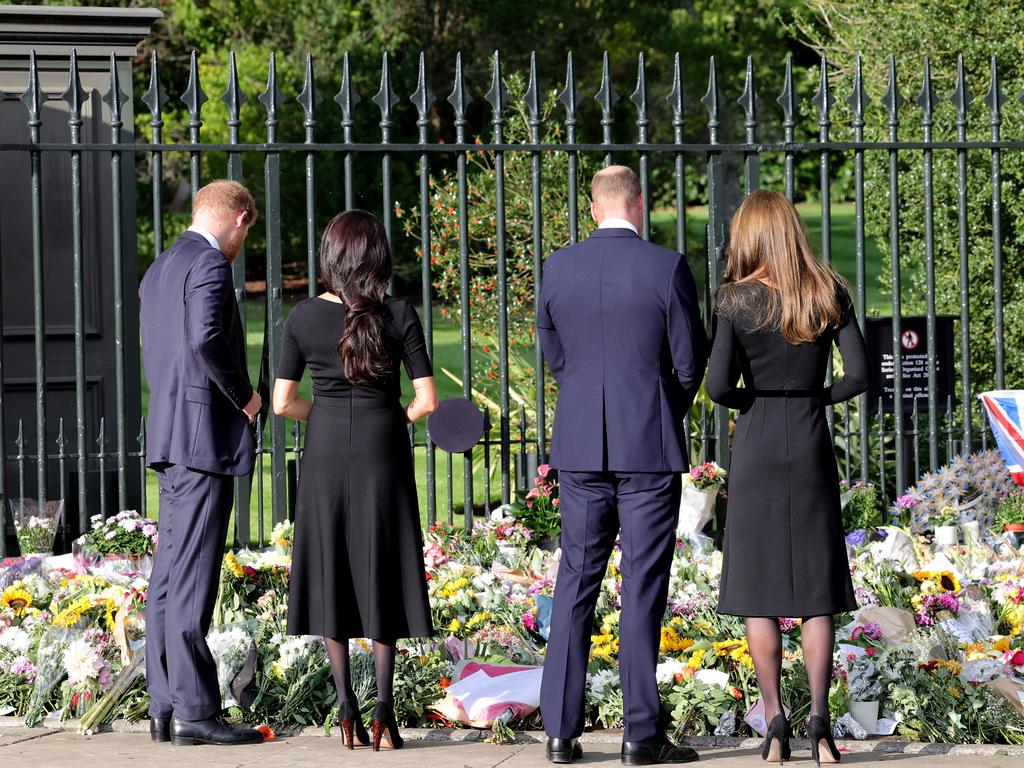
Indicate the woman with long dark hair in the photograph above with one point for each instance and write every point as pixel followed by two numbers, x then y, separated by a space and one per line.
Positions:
pixel 776 318
pixel 357 561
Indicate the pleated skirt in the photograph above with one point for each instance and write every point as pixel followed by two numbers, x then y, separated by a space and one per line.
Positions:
pixel 357 559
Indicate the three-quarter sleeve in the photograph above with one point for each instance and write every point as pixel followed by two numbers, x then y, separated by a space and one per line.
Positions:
pixel 414 346
pixel 292 362
pixel 723 366
pixel 855 357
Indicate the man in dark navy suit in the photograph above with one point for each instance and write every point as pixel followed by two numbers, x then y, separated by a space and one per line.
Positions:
pixel 198 436
pixel 621 332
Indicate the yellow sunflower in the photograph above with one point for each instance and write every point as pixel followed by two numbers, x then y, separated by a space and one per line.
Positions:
pixel 16 597
pixel 946 581
pixel 233 566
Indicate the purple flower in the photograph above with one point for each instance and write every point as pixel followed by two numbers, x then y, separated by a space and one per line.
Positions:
pixel 906 501
pixel 857 538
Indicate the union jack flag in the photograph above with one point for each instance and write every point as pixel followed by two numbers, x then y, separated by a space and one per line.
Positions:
pixel 1006 415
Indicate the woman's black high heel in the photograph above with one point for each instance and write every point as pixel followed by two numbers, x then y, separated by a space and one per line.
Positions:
pixel 385 728
pixel 821 735
pixel 776 741
pixel 351 726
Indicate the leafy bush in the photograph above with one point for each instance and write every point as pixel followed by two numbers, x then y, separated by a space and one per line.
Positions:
pixel 860 509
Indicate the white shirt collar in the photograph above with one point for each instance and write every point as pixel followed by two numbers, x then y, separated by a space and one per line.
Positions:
pixel 617 224
pixel 210 238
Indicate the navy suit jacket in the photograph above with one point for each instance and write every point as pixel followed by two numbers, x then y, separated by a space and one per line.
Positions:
pixel 620 329
pixel 193 350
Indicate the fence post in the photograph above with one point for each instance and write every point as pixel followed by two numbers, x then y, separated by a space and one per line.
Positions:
pixel 716 239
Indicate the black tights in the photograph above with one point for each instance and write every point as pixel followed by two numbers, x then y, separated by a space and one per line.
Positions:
pixel 765 641
pixel 383 662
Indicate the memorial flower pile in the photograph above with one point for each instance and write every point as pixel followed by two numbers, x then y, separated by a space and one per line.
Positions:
pixel 937 640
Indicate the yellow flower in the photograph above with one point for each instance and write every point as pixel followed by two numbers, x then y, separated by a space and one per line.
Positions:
pixel 17 598
pixel 478 619
pixel 671 642
pixel 454 625
pixel 70 615
pixel 945 581
pixel 696 659
pixel 233 566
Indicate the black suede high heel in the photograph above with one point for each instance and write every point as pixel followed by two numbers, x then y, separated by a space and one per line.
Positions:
pixel 776 741
pixel 820 734
pixel 351 726
pixel 384 726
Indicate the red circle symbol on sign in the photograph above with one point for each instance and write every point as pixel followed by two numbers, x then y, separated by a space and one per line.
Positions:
pixel 910 340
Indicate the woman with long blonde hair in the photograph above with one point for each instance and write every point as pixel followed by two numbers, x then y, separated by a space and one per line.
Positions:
pixel 777 315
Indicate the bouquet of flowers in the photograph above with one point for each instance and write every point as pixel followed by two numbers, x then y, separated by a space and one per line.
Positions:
pixel 124 543
pixel 35 527
pixel 282 536
pixel 697 499
pixel 537 509
pixel 231 647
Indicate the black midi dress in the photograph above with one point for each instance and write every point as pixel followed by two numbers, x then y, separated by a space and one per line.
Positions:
pixel 784 548
pixel 357 557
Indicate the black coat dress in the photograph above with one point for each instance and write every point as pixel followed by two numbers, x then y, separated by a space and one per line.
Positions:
pixel 784 549
pixel 357 560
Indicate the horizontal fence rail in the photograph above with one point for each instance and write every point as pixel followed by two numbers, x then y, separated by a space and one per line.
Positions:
pixel 887 446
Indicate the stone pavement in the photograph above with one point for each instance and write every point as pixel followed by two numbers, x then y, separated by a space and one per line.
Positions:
pixel 22 747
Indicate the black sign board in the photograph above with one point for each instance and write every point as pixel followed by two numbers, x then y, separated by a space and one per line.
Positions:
pixel 913 359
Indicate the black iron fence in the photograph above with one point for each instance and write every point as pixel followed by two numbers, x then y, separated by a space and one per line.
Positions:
pixel 888 445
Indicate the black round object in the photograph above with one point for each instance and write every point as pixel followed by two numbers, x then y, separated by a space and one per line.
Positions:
pixel 456 426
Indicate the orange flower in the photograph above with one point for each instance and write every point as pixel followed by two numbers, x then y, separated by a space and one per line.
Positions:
pixel 445 682
pixel 736 693
pixel 268 732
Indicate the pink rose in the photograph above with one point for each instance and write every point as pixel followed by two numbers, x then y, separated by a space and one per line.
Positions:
pixel 543 470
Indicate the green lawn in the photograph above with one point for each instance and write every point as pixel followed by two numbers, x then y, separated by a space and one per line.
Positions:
pixel 448 352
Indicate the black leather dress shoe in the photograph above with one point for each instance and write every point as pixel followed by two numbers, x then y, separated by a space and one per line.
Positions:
pixel 186 733
pixel 563 750
pixel 160 728
pixel 656 751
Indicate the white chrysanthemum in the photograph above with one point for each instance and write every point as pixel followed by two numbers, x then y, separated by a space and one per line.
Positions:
pixel 82 661
pixel 15 641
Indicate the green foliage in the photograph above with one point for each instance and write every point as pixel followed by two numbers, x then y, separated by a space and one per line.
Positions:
pixel 861 508
pixel 1011 509
pixel 940 30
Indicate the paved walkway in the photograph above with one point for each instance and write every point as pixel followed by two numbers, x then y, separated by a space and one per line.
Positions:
pixel 43 747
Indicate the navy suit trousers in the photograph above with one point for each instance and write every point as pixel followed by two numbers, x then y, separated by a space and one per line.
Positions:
pixel 642 508
pixel 180 671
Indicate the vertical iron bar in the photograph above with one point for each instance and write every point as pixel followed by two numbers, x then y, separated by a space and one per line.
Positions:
pixel 234 98
pixel 857 101
pixel 787 99
pixel 75 96
pixel 716 237
pixel 892 101
pixel 639 98
pixel 496 97
pixel 994 100
pixel 33 99
pixel 534 99
pixel 114 99
pixel 961 97
pixel 569 96
pixel 309 98
pixel 606 97
pixel 143 501
pixel 385 99
pixel 927 101
pixel 271 99
pixel 459 98
pixel 751 158
pixel 676 98
pixel 194 98
pixel 347 99
pixel 101 441
pixel 423 98
pixel 823 100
